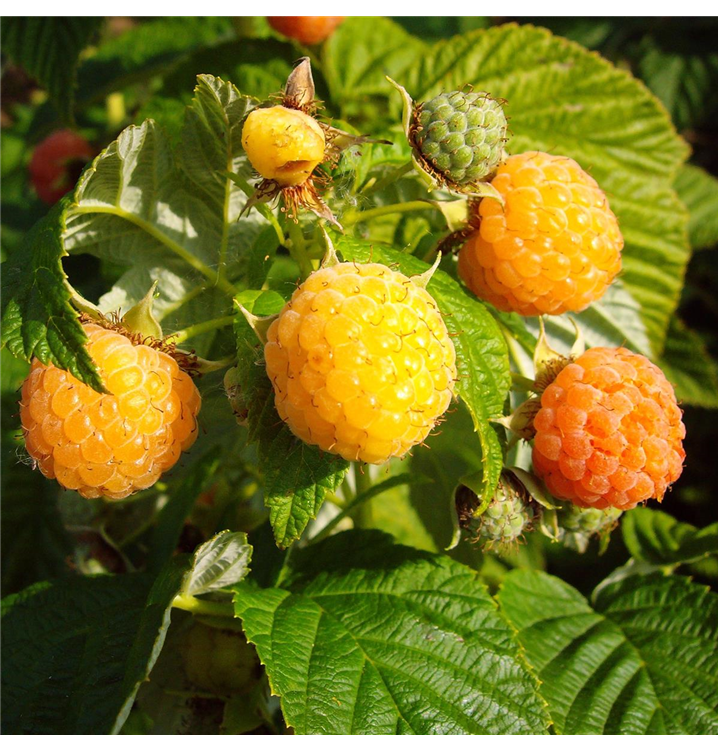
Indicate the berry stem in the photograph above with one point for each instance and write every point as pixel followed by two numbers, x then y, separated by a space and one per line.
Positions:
pixel 356 217
pixel 196 606
pixel 361 509
pixel 298 249
pixel 390 179
pixel 208 325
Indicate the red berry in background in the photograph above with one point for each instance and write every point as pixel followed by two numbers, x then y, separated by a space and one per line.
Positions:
pixel 305 29
pixel 56 164
pixel 609 432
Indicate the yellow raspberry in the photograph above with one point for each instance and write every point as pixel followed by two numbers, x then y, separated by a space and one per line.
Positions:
pixel 112 444
pixel 284 145
pixel 361 362
pixel 609 432
pixel 219 661
pixel 554 247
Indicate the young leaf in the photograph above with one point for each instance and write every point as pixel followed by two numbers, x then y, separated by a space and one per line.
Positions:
pixel 369 637
pixel 75 651
pixel 49 50
pixel 643 660
pixel 699 191
pixel 565 100
pixel 38 319
pixel 481 354
pixel 297 476
pixel 222 561
pixel 654 537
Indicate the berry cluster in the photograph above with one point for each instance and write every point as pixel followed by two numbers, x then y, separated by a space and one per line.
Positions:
pixel 361 362
pixel 117 443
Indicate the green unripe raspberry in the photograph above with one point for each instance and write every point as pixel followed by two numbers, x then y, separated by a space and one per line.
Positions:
pixel 506 518
pixel 577 525
pixel 461 135
pixel 220 662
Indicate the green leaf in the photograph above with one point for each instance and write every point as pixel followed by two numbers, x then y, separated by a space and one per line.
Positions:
pixel 171 518
pixel 38 319
pixel 655 537
pixel 368 637
pixel 481 354
pixel 687 364
pixel 297 476
pixel 171 216
pixel 221 562
pixel 76 651
pixel 358 56
pixel 699 191
pixel 49 50
pixel 643 660
pixel 565 100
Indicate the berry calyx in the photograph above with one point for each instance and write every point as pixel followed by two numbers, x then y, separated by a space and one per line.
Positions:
pixel 609 431
pixel 460 136
pixel 116 443
pixel 555 245
pixel 56 164
pixel 284 145
pixel 305 29
pixel 361 362
pixel 220 662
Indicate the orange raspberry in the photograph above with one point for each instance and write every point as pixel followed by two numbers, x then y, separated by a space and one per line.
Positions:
pixel 112 444
pixel 305 29
pixel 361 362
pixel 554 247
pixel 609 431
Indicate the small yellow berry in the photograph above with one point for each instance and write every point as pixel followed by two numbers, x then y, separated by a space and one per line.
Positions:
pixel 284 145
pixel 361 362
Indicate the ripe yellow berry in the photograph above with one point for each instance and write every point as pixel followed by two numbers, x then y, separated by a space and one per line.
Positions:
pixel 361 362
pixel 609 432
pixel 112 444
pixel 554 247
pixel 284 145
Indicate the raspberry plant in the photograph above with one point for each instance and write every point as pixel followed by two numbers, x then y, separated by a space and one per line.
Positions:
pixel 319 394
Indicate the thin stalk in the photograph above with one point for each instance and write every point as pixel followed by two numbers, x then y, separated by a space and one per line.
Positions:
pixel 196 606
pixel 169 243
pixel 298 249
pixel 208 325
pixel 393 176
pixel 394 208
pixel 361 510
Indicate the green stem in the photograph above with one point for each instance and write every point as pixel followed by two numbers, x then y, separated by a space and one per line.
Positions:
pixel 298 249
pixel 263 209
pixel 360 509
pixel 208 325
pixel 392 177
pixel 394 208
pixel 196 606
pixel 169 243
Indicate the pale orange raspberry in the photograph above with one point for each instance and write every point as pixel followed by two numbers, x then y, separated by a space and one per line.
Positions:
pixel 361 362
pixel 305 29
pixel 609 431
pixel 554 247
pixel 111 444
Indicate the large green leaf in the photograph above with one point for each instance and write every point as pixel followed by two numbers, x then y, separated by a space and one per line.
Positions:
pixel 699 191
pixel 481 354
pixel 171 216
pixel 76 651
pixel 654 537
pixel 38 319
pixel 357 57
pixel 642 660
pixel 368 637
pixel 689 366
pixel 297 476
pixel 49 49
pixel 565 100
